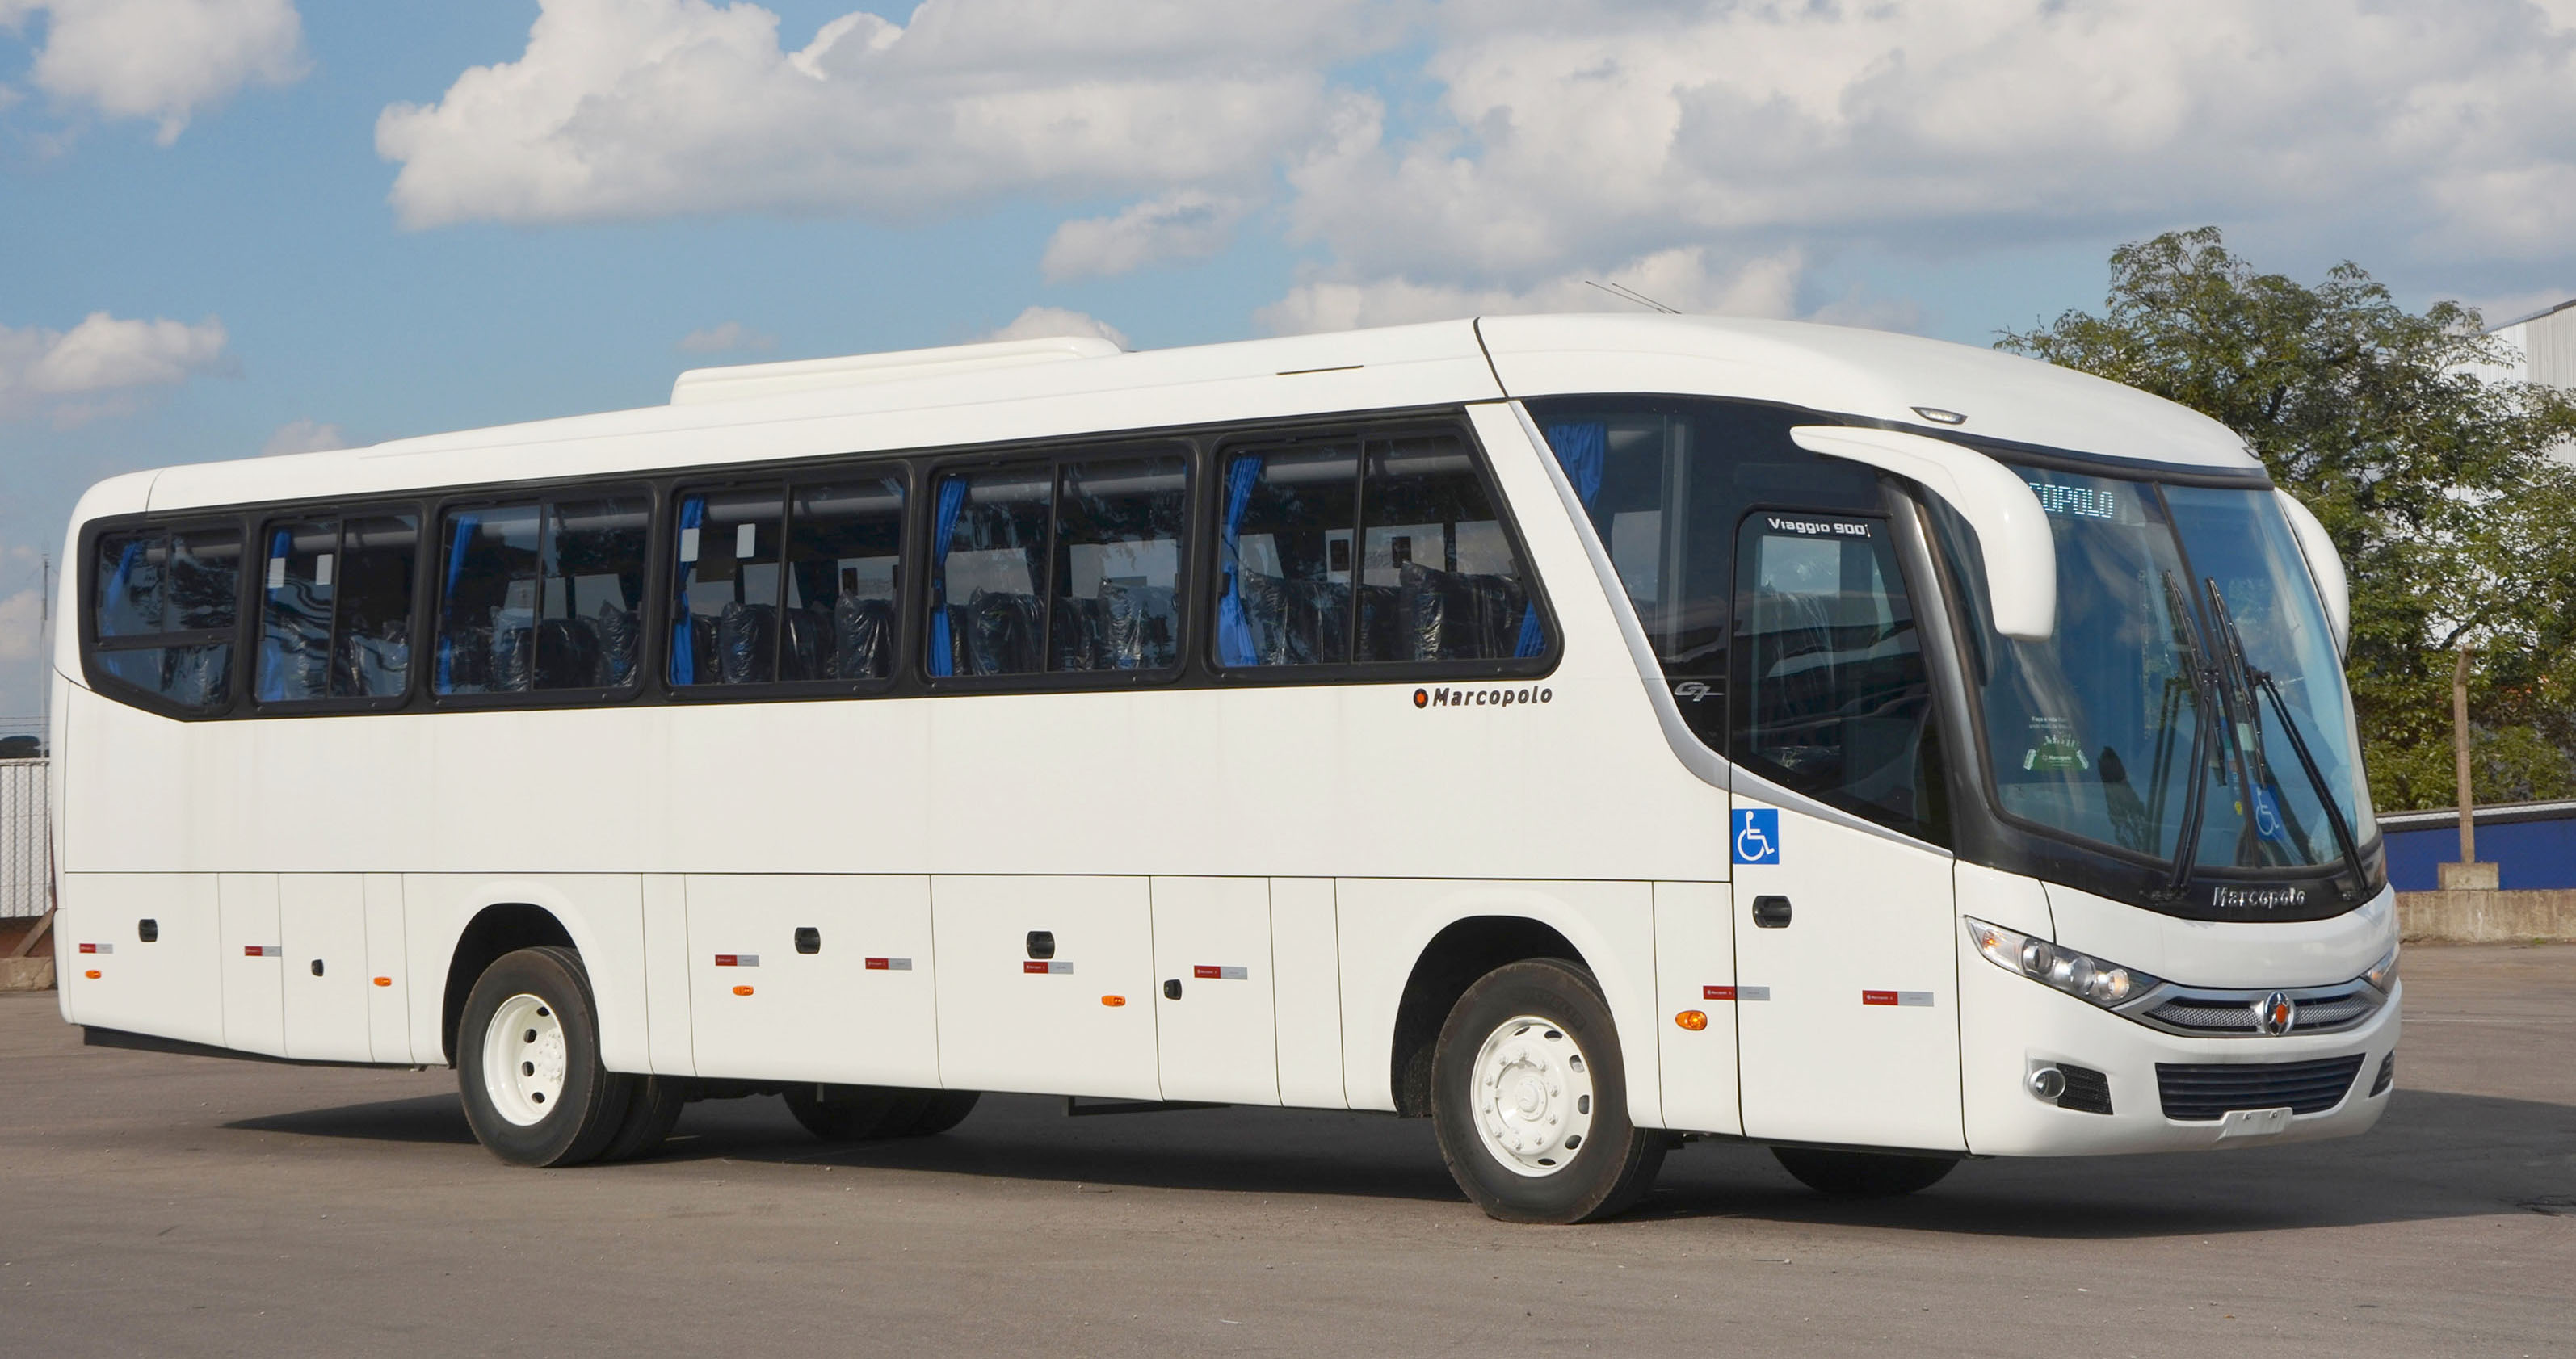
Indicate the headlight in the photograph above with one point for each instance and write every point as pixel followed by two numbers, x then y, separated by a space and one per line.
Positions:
pixel 2081 975
pixel 2383 978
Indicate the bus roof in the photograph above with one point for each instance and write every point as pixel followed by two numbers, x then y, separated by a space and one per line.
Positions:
pixel 973 394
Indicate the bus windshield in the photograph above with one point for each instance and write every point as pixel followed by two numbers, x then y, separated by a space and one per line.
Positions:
pixel 2190 644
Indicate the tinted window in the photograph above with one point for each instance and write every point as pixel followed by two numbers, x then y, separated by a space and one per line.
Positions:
pixel 1387 551
pixel 724 619
pixel 163 608
pixel 335 608
pixel 541 596
pixel 1117 565
pixel 1834 699
pixel 988 564
pixel 844 554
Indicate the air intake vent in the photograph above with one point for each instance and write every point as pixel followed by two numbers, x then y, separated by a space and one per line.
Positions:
pixel 2087 1091
pixel 2203 1094
pixel 2387 1074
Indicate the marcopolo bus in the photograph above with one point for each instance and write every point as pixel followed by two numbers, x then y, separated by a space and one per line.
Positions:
pixel 1582 731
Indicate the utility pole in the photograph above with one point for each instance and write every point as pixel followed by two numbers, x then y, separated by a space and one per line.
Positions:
pixel 2460 755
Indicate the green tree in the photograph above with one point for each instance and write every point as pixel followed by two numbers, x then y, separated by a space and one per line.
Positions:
pixel 2437 484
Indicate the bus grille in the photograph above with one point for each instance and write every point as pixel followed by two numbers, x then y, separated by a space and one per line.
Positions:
pixel 2218 1014
pixel 2087 1091
pixel 2205 1093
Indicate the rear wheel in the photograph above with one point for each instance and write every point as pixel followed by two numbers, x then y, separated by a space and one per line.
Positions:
pixel 528 1062
pixel 1863 1174
pixel 858 1113
pixel 947 1109
pixel 651 1113
pixel 1529 1098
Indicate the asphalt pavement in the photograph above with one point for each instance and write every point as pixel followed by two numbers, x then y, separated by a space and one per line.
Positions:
pixel 155 1204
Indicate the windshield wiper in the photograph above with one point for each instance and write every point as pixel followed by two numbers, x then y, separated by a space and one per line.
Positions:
pixel 2261 681
pixel 2187 641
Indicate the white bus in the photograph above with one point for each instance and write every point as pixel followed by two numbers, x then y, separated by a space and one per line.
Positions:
pixel 1587 732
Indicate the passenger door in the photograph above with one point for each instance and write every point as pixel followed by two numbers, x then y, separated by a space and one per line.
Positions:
pixel 1846 996
pixel 1217 1036
pixel 1046 985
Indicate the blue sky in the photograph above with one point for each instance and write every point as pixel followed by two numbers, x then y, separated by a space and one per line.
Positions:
pixel 231 225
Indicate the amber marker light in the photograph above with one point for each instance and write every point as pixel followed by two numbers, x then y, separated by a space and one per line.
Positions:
pixel 92 974
pixel 742 990
pixel 384 981
pixel 1693 1020
pixel 1113 1002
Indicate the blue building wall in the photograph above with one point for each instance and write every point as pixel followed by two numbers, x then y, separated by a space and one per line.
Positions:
pixel 2532 850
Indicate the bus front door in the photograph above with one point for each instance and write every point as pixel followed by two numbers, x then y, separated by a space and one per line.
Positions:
pixel 1846 971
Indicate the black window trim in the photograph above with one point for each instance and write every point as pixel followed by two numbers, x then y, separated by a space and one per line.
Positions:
pixel 255 622
pixel 788 482
pixel 1201 445
pixel 237 668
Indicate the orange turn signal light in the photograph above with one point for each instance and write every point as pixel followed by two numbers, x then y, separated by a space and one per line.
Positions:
pixel 384 981
pixel 92 974
pixel 1693 1020
pixel 1113 1002
pixel 742 990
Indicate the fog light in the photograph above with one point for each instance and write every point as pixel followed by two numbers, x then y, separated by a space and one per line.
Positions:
pixel 2048 1083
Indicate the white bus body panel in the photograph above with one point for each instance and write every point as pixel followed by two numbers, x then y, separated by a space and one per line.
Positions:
pixel 827 1016
pixel 322 922
pixel 172 986
pixel 2231 954
pixel 1305 954
pixel 254 963
pixel 1695 957
pixel 388 975
pixel 1858 1039
pixel 1045 1025
pixel 1218 1037
pixel 603 912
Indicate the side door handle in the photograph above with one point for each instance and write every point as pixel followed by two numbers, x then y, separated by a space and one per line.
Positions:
pixel 1771 913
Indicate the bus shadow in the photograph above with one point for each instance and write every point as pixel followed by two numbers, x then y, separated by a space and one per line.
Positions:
pixel 2433 1156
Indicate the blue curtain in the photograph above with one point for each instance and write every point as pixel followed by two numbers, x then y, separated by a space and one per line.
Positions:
pixel 1582 449
pixel 684 625
pixel 272 656
pixel 1234 641
pixel 463 528
pixel 952 501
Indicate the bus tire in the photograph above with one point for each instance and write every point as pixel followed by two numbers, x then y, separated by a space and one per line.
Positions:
pixel 527 1062
pixel 1863 1174
pixel 650 1115
pixel 849 1113
pixel 946 1109
pixel 1529 1099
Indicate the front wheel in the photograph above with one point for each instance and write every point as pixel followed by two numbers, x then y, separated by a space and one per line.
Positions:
pixel 1529 1097
pixel 528 1062
pixel 1863 1174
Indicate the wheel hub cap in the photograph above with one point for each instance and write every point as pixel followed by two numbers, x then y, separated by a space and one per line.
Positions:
pixel 525 1059
pixel 1533 1096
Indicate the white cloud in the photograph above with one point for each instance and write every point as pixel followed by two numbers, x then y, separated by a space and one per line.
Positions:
pixel 1169 228
pixel 1682 279
pixel 646 108
pixel 102 356
pixel 1040 323
pixel 304 436
pixel 725 339
pixel 162 59
pixel 20 619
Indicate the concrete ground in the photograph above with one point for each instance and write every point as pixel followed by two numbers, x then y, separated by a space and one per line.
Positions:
pixel 180 1205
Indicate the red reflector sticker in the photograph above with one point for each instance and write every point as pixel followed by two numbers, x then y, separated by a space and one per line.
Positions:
pixel 876 964
pixel 262 951
pixel 89 948
pixel 1034 967
pixel 726 960
pixel 1878 998
pixel 1717 993
pixel 1202 970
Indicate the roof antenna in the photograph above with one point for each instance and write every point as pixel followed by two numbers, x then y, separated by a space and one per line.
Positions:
pixel 1632 295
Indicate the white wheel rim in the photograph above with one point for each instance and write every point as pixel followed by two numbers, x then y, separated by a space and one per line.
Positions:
pixel 524 1059
pixel 1532 1098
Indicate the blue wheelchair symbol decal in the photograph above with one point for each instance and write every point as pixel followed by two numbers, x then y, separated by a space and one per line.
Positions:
pixel 1757 836
pixel 2267 815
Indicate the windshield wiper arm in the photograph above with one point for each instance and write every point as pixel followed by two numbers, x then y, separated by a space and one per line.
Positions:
pixel 2262 681
pixel 2186 640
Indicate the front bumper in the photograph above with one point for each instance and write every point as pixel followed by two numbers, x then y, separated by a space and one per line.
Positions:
pixel 2009 1024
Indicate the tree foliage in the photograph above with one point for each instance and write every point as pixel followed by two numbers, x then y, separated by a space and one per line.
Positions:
pixel 2435 478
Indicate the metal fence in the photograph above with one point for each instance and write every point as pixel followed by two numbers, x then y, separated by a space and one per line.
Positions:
pixel 26 852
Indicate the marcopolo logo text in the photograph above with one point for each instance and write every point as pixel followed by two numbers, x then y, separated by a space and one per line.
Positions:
pixel 1444 696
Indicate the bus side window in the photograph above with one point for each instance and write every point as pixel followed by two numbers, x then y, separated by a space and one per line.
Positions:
pixel 988 561
pixel 335 608
pixel 1835 701
pixel 724 609
pixel 1284 557
pixel 590 632
pixel 163 611
pixel 487 600
pixel 1117 565
pixel 1438 578
pixel 844 558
